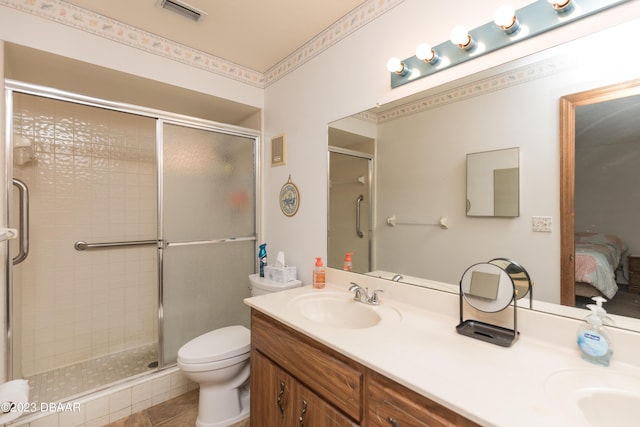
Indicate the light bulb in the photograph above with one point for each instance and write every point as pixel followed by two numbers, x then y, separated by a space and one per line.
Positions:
pixel 460 36
pixel 394 65
pixel 425 52
pixel 504 16
pixel 561 5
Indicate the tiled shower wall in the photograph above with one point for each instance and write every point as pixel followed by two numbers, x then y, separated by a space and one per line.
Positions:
pixel 93 179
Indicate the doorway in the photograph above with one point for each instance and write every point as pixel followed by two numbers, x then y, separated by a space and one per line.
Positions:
pixel 582 226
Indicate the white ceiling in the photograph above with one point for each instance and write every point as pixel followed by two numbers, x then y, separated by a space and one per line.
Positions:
pixel 253 33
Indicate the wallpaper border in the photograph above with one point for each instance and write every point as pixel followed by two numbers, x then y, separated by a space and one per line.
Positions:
pixel 64 13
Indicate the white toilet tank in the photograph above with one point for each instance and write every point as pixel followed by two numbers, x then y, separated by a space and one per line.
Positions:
pixel 260 285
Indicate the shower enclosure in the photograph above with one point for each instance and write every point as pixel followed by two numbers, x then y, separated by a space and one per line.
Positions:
pixel 137 233
pixel 349 202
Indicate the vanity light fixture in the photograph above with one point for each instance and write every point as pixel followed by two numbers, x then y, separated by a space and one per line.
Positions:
pixel 394 65
pixel 505 18
pixel 562 6
pixel 460 36
pixel 517 25
pixel 428 54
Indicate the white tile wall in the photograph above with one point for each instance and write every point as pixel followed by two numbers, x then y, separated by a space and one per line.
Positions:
pixel 94 179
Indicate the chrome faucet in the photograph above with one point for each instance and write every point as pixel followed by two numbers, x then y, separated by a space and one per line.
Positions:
pixel 397 278
pixel 362 294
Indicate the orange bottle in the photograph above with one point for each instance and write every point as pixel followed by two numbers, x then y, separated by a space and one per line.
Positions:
pixel 348 265
pixel 318 274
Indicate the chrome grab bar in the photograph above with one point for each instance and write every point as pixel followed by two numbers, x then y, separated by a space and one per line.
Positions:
pixel 358 200
pixel 82 246
pixel 208 242
pixel 23 194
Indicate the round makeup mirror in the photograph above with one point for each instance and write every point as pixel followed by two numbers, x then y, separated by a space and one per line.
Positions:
pixel 487 287
pixel 517 273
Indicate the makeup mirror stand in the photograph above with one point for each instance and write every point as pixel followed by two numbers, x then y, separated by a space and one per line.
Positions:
pixel 488 288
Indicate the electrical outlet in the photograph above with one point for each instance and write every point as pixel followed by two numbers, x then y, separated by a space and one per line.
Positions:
pixel 542 223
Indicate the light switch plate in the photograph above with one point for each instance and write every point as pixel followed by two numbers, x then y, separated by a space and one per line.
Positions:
pixel 542 223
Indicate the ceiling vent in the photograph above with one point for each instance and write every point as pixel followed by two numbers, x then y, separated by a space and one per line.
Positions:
pixel 183 9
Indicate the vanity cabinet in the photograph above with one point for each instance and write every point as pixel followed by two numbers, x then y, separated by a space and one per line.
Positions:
pixel 289 369
pixel 294 376
pixel 284 401
pixel 390 404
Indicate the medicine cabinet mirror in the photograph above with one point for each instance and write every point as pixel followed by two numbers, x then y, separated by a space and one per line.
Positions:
pixel 493 183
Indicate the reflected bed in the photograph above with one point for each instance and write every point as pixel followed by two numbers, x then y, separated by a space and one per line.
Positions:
pixel 598 256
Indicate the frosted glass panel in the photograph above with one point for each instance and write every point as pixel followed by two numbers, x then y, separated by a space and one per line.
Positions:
pixel 208 185
pixel 348 197
pixel 208 194
pixel 204 288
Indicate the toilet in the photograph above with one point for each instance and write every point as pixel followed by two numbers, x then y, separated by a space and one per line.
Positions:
pixel 219 361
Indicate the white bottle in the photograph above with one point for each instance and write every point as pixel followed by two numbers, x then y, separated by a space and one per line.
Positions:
pixel 593 341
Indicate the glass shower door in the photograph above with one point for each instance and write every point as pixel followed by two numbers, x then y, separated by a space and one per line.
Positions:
pixel 208 232
pixel 349 209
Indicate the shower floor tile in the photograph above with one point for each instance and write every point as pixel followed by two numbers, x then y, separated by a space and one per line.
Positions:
pixel 63 383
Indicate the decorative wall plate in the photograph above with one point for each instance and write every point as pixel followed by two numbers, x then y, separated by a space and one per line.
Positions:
pixel 289 198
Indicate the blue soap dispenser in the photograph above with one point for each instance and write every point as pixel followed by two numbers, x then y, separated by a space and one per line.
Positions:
pixel 593 341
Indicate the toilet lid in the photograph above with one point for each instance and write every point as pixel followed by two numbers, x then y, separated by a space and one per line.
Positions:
pixel 216 345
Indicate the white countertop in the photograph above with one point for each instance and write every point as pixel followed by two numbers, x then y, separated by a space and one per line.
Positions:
pixel 489 384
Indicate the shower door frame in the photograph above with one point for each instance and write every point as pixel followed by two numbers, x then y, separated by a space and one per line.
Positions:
pixel 370 158
pixel 14 86
pixel 163 243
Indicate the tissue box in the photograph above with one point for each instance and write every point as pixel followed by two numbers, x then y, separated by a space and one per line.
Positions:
pixel 280 274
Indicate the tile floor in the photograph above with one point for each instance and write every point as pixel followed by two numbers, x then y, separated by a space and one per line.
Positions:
pixel 181 411
pixel 62 383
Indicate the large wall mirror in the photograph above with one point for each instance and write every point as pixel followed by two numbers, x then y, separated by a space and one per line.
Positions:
pixel 420 161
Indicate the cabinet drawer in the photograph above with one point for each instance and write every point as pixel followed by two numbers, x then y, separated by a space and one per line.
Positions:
pixel 634 263
pixel 634 278
pixel 388 401
pixel 327 373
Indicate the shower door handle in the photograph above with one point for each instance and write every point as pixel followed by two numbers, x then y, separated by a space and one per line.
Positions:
pixel 358 201
pixel 23 194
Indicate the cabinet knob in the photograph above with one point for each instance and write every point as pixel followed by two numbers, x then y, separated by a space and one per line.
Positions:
pixel 392 422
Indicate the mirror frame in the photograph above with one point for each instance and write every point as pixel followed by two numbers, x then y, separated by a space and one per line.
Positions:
pixel 568 106
pixel 477 158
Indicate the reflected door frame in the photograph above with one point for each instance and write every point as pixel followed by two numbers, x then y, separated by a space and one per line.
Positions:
pixel 568 106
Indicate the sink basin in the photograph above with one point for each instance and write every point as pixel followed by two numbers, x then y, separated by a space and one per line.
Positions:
pixel 339 310
pixel 599 398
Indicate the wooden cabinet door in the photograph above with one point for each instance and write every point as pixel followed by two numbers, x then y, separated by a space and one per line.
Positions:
pixel 271 391
pixel 313 411
pixel 278 400
pixel 391 405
